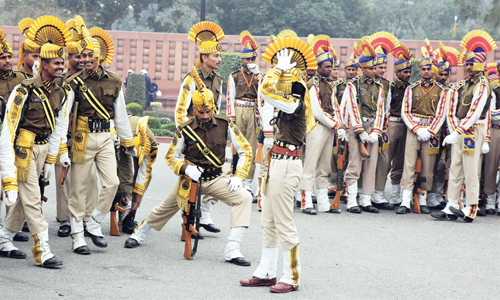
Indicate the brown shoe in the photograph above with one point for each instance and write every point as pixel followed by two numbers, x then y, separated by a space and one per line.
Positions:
pixel 256 281
pixel 282 287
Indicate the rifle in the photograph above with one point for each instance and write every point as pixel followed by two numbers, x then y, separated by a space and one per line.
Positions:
pixel 259 156
pixel 335 207
pixel 236 157
pixel 115 230
pixel 191 220
pixel 361 146
pixel 418 181
pixel 42 184
pixel 64 172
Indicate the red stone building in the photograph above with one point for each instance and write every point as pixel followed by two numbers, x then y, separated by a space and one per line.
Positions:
pixel 169 56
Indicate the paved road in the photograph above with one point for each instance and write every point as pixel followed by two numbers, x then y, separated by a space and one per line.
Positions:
pixel 346 256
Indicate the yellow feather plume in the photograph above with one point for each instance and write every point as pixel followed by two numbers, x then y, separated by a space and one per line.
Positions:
pixel 105 43
pixel 303 54
pixel 49 29
pixel 206 31
pixel 287 33
pixel 24 25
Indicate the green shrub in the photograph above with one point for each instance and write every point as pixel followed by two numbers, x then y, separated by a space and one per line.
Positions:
pixel 163 132
pixel 415 70
pixel 158 114
pixel 230 63
pixel 136 89
pixel 169 126
pixel 134 109
pixel 154 123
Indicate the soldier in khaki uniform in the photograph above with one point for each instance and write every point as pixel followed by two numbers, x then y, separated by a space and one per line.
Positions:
pixel 208 61
pixel 212 131
pixel 492 158
pixel 283 87
pixel 29 52
pixel 76 64
pixel 397 128
pixel 467 121
pixel 135 172
pixel 37 114
pixel 8 80
pixel 423 112
pixel 364 101
pixel 319 141
pixel 99 99
pixel 242 98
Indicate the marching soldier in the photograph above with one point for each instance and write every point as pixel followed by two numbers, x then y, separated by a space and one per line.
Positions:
pixel 37 114
pixel 99 99
pixel 284 88
pixel 383 43
pixel 365 105
pixel 209 60
pixel 467 120
pixel 319 141
pixel 76 64
pixel 29 52
pixel 135 172
pixel 242 98
pixel 397 128
pixel 8 80
pixel 211 131
pixel 423 112
pixel 492 158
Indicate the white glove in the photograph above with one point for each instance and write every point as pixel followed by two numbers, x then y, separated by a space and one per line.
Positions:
pixel 36 66
pixel 423 135
pixel 64 159
pixel 485 148
pixel 284 59
pixel 11 198
pixel 194 172
pixel 373 138
pixel 341 135
pixel 253 68
pixel 48 169
pixel 234 183
pixel 364 137
pixel 268 142
pixel 451 138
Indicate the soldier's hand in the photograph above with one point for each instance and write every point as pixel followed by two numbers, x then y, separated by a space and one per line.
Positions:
pixel 284 60
pixel 48 169
pixel 423 135
pixel 341 134
pixel 373 138
pixel 253 68
pixel 364 137
pixel 485 148
pixel 193 172
pixel 11 198
pixel 64 159
pixel 234 183
pixel 451 138
pixel 268 142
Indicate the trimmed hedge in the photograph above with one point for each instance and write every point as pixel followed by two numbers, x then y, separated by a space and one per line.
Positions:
pixel 135 109
pixel 154 123
pixel 136 89
pixel 230 63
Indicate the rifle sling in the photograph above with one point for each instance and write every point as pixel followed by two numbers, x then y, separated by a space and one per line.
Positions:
pixel 49 114
pixel 90 97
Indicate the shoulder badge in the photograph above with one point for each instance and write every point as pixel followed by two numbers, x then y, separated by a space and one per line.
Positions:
pixel 66 87
pixel 393 84
pixel 483 80
pixel 441 86
pixel 315 80
pixel 22 90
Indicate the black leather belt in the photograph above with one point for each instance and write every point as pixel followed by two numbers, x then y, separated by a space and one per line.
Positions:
pixel 41 139
pixel 211 174
pixel 99 126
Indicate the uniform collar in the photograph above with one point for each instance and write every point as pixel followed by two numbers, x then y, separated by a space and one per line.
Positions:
pixel 476 77
pixel 85 74
pixel 39 82
pixel 6 76
pixel 426 82
pixel 205 73
pixel 197 124
pixel 368 79
pixel 402 82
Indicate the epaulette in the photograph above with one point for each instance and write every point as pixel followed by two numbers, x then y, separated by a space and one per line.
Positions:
pixel 459 84
pixel 184 124
pixel 441 86
pixel 315 80
pixel 70 78
pixel 19 73
pixel 338 82
pixel 29 83
pixel 495 86
pixel 379 82
pixel 218 75
pixel 416 83
pixel 393 84
pixel 235 72
pixel 221 117
pixel 483 80
pixel 354 79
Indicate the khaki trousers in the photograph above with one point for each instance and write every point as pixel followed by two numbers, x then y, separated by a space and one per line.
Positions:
pixel 397 142
pixel 29 205
pixel 101 153
pixel 428 161
pixel 356 166
pixel 467 166
pixel 62 194
pixel 492 162
pixel 383 167
pixel 317 158
pixel 240 200
pixel 277 205
pixel 245 121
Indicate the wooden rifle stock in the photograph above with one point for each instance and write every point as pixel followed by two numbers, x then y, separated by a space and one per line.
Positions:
pixel 188 221
pixel 64 172
pixel 335 206
pixel 115 230
pixel 259 158
pixel 416 186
